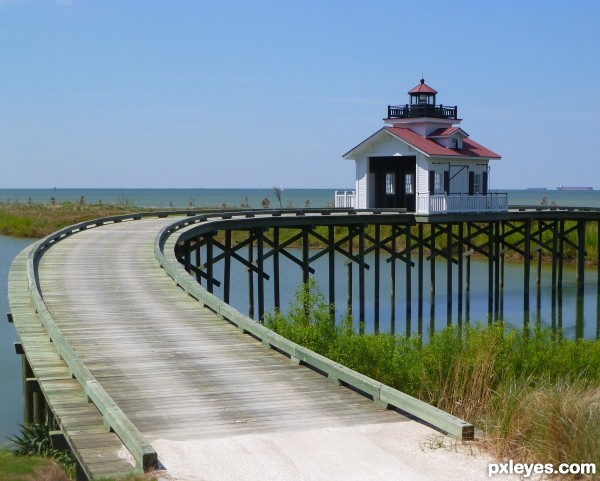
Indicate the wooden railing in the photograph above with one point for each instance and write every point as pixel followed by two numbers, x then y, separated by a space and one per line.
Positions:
pixel 145 456
pixel 461 203
pixel 413 111
pixel 114 418
pixel 380 393
pixel 345 199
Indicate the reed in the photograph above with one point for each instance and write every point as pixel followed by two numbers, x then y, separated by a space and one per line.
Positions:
pixel 39 220
pixel 535 395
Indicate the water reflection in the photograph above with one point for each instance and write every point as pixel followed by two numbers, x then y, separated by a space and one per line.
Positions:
pixel 411 304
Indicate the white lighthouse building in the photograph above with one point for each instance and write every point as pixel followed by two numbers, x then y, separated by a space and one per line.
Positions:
pixel 422 161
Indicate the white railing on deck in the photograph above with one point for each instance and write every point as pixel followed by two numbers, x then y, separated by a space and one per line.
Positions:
pixel 458 203
pixel 345 199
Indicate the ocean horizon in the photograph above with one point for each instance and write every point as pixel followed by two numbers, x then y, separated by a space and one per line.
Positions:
pixel 254 198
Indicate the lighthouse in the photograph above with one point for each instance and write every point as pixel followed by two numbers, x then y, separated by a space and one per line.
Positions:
pixel 422 161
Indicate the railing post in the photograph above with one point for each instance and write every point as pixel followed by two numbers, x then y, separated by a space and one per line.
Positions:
pixel 449 274
pixel 250 276
pixel 361 275
pixel 527 267
pixel 459 280
pixel 393 283
pixel 27 373
pixel 331 238
pixel 198 262
pixel 420 278
pixel 276 294
pixel 349 275
pixel 580 256
pixel 188 256
pixel 376 280
pixel 561 252
pixel 305 255
pixel 491 244
pixel 209 262
pixel 497 256
pixel 408 278
pixel 555 256
pixel 260 274
pixel 432 262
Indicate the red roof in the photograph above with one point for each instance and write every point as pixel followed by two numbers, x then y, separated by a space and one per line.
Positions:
pixel 470 148
pixel 422 88
pixel 447 132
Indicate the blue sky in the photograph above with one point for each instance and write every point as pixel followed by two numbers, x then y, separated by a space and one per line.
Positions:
pixel 174 94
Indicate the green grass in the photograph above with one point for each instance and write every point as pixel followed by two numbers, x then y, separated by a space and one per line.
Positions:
pixel 29 468
pixel 534 394
pixel 39 220
pixel 35 459
pixel 36 468
pixel 35 440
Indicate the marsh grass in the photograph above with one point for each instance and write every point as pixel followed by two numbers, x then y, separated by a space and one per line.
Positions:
pixel 39 220
pixel 553 420
pixel 535 395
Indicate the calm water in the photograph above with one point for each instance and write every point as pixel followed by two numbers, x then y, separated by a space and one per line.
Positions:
pixel 575 319
pixel 435 314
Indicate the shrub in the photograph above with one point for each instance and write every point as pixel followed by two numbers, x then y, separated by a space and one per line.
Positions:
pixel 535 394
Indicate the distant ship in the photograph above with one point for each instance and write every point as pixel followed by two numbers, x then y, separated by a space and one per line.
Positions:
pixel 563 187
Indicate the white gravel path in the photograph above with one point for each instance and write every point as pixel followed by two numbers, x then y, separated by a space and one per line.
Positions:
pixel 391 452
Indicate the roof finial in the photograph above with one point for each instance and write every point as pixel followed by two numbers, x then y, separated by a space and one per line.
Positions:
pixel 422 79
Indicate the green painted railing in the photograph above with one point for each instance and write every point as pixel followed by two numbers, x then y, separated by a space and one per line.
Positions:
pixel 114 418
pixel 380 393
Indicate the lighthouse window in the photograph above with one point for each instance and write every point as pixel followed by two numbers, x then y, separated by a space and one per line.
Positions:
pixel 408 184
pixel 437 183
pixel 390 181
pixel 477 184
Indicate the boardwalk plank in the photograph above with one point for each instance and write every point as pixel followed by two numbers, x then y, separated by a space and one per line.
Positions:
pixel 175 368
pixel 80 421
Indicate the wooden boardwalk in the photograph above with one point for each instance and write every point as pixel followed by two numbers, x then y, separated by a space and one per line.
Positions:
pixel 132 365
pixel 177 370
pixel 100 451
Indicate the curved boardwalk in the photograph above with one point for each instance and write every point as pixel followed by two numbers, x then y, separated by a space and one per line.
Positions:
pixel 214 402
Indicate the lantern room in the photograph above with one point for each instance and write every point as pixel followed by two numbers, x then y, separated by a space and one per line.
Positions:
pixel 422 161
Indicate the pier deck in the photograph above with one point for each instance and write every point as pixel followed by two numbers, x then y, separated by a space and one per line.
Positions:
pixel 213 401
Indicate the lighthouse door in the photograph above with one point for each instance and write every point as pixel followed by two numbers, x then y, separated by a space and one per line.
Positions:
pixel 394 179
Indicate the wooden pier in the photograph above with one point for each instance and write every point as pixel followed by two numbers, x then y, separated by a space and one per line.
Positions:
pixel 533 235
pixel 121 347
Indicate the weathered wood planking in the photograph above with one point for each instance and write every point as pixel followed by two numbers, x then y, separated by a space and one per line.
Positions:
pixel 80 421
pixel 177 370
